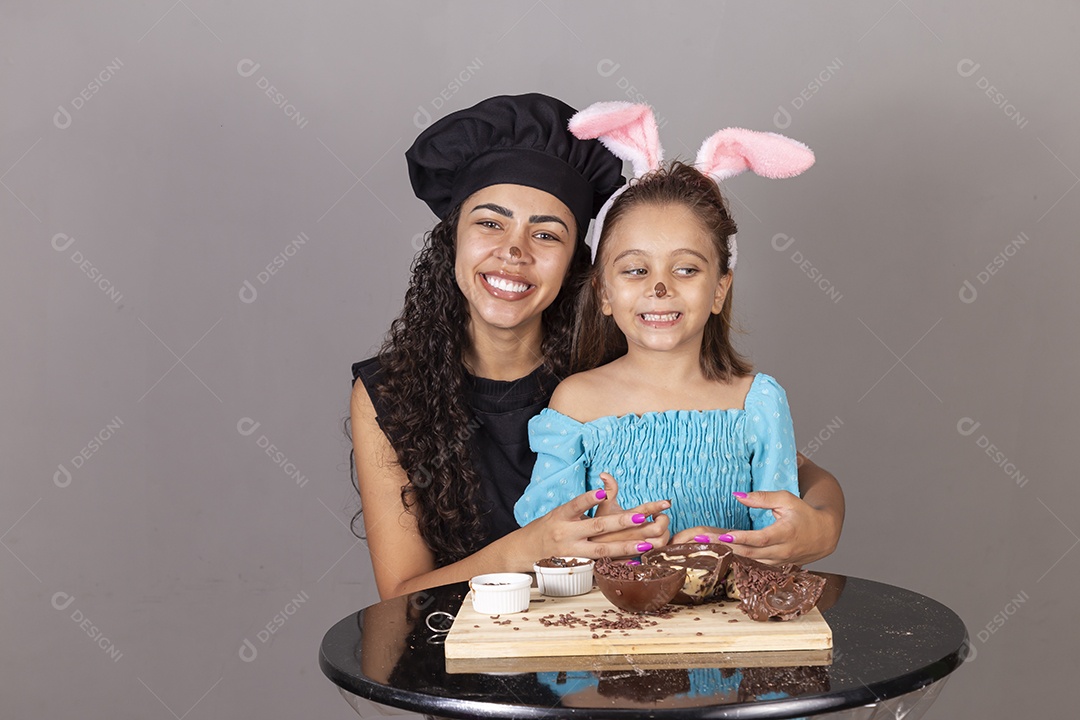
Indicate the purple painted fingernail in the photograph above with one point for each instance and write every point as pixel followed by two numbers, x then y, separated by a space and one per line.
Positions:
pixel 638 518
pixel 739 494
pixel 701 538
pixel 600 494
pixel 633 562
pixel 726 538
pixel 644 547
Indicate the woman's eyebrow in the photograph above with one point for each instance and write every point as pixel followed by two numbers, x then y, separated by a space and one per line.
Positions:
pixel 548 218
pixel 505 212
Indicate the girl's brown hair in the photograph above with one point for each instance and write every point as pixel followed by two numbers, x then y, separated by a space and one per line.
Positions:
pixel 598 339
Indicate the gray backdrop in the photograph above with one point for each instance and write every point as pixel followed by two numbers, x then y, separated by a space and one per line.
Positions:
pixel 207 218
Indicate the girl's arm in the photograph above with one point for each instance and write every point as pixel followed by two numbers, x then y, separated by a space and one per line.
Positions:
pixel 805 530
pixel 401 559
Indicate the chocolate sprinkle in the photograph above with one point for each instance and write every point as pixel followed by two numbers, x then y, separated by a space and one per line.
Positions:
pixel 783 591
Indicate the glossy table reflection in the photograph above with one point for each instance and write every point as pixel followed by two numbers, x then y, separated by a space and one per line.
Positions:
pixel 887 643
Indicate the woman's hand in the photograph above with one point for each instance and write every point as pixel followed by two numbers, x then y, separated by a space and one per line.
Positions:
pixel 654 531
pixel 801 533
pixel 567 531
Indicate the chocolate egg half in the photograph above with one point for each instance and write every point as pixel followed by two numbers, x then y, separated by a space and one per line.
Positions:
pixel 706 565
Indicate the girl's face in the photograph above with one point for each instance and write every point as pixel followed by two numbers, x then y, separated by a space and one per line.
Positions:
pixel 514 246
pixel 661 277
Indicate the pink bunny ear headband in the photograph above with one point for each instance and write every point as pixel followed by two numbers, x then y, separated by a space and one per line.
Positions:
pixel 629 131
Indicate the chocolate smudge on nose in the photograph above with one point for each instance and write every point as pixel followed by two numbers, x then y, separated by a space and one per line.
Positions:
pixel 514 252
pixel 661 291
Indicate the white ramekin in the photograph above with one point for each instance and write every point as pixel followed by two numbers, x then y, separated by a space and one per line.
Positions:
pixel 565 581
pixel 500 593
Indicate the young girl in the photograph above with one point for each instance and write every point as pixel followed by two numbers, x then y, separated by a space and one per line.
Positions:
pixel 670 408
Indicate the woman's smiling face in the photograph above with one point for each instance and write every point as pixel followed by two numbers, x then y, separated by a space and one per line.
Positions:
pixel 661 277
pixel 514 247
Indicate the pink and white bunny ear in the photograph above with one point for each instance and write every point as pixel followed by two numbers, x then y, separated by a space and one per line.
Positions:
pixel 626 129
pixel 734 150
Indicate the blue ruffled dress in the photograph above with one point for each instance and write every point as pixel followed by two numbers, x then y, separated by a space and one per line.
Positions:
pixel 695 458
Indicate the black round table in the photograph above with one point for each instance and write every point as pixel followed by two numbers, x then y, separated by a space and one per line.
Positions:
pixel 887 642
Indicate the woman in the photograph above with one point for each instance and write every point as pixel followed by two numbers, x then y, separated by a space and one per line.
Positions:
pixel 439 417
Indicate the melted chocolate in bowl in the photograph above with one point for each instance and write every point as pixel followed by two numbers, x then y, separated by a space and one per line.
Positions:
pixel 638 588
pixel 563 562
pixel 706 564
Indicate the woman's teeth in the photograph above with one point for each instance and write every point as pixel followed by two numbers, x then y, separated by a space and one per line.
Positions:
pixel 507 285
pixel 666 317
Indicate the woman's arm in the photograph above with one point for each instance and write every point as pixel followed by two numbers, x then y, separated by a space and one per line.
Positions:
pixel 402 561
pixel 805 530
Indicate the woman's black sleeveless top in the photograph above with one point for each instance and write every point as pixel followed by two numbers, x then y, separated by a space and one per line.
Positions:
pixel 498 436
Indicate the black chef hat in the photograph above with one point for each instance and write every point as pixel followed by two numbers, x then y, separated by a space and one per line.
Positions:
pixel 517 139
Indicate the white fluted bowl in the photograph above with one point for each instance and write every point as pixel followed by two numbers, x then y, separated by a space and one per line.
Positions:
pixel 500 593
pixel 565 581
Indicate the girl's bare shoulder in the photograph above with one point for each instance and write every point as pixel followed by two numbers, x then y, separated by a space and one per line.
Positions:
pixel 586 395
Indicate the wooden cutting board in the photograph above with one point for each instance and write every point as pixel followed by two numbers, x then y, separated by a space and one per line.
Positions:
pixel 710 628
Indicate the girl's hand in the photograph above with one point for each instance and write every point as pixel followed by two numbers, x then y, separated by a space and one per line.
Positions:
pixel 702 534
pixel 610 504
pixel 655 531
pixel 567 531
pixel 801 533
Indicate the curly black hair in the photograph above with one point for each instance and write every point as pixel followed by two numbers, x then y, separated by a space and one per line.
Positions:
pixel 422 389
